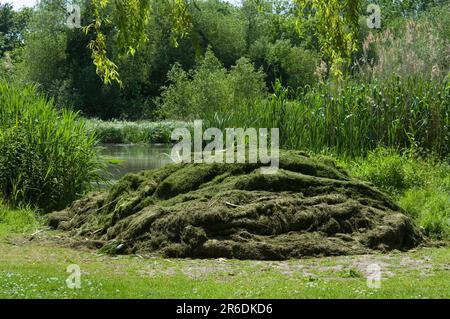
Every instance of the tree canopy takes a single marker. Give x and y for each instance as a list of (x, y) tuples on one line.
[(336, 27)]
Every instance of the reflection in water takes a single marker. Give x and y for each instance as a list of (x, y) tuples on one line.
[(135, 158)]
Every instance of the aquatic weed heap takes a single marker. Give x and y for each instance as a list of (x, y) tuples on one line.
[(309, 208)]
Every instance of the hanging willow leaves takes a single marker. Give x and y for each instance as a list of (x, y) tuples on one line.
[(336, 28), (181, 20), (130, 18), (106, 69)]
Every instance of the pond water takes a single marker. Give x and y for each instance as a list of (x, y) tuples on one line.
[(135, 158)]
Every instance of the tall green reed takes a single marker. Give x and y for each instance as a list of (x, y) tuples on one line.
[(47, 158), (353, 118)]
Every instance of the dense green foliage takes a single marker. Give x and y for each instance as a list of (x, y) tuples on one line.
[(125, 132), (336, 27), (160, 74), (47, 158), (210, 88), (421, 186), (353, 119), (58, 59), (12, 24), (396, 92)]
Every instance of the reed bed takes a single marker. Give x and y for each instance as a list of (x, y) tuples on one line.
[(125, 132), (352, 119), (47, 158)]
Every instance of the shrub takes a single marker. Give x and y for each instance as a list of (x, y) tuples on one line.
[(209, 88), (294, 66), (47, 158)]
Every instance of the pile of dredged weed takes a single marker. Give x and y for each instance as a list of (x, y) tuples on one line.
[(310, 207)]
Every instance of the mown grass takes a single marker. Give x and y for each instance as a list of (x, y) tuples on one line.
[(39, 271)]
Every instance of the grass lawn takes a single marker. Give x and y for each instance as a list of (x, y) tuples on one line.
[(33, 265), (37, 269)]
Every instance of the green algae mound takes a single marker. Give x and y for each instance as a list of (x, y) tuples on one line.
[(310, 207)]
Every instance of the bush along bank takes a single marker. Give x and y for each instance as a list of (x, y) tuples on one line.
[(125, 132), (47, 158)]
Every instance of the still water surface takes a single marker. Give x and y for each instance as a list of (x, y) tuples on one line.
[(135, 158)]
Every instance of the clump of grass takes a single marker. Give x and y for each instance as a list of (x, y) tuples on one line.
[(47, 158), (125, 132), (431, 208), (391, 171), (421, 186), (17, 221), (351, 273)]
